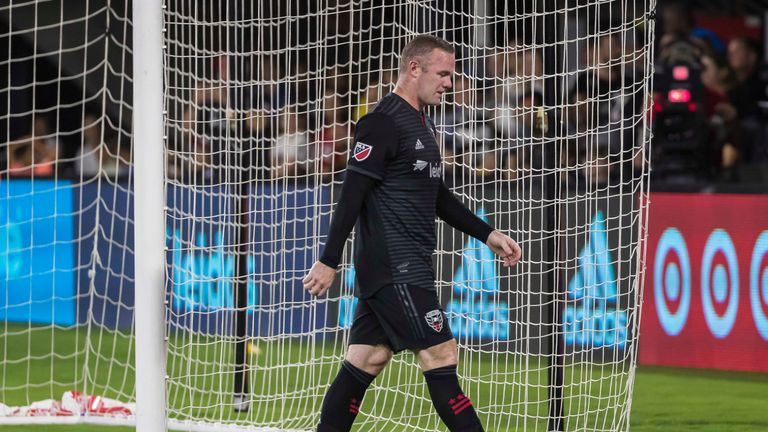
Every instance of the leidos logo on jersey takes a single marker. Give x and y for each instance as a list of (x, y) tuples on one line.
[(435, 170), (361, 151)]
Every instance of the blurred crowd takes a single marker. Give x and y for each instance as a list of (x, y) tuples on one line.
[(300, 128), (710, 107), (289, 123), (103, 151)]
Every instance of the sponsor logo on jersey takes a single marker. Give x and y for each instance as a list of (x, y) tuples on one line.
[(361, 151), (435, 170), (435, 319), (419, 165), (419, 145)]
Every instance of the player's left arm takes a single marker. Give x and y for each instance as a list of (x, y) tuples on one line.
[(457, 215)]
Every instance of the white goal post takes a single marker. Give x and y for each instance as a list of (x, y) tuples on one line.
[(169, 170)]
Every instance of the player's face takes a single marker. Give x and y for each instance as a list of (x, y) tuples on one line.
[(435, 78)]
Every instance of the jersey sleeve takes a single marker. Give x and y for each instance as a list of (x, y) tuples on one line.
[(375, 145), (451, 210), (353, 193)]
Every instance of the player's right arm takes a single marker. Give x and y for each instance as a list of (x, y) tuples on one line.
[(375, 146)]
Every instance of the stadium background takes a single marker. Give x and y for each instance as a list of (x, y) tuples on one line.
[(705, 326)]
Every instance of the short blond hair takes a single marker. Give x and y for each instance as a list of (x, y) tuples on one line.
[(422, 45)]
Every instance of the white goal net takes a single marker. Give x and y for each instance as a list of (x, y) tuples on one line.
[(545, 135)]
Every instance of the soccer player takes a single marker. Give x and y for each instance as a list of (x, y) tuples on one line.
[(393, 189)]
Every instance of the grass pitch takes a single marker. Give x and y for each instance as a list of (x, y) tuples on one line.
[(510, 391)]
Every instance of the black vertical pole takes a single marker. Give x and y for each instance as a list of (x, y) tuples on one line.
[(242, 388), (554, 22), (242, 167)]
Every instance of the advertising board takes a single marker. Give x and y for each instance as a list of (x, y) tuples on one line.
[(706, 290)]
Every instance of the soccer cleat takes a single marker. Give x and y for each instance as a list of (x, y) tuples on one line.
[(240, 403)]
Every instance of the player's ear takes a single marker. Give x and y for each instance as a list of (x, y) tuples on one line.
[(414, 67)]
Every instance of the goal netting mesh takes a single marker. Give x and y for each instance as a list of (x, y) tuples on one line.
[(545, 135)]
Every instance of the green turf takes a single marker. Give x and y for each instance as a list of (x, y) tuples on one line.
[(511, 395), (677, 399)]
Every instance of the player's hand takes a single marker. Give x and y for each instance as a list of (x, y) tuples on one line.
[(505, 248), (319, 279)]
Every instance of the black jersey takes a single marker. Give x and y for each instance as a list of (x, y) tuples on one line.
[(395, 144)]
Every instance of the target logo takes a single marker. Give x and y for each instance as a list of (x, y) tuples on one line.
[(758, 284), (708, 286), (672, 281), (720, 283)]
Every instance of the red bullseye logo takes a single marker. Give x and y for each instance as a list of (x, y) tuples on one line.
[(720, 283), (672, 281)]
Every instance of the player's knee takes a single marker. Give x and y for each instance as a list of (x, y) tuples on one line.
[(380, 358), (437, 356), (371, 359)]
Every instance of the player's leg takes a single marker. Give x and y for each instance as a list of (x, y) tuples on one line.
[(438, 363), (363, 362), (412, 319)]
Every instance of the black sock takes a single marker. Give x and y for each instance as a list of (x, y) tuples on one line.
[(454, 408), (343, 399)]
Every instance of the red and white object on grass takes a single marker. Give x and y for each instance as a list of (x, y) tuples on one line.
[(72, 403)]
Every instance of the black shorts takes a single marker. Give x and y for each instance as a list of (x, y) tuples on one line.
[(402, 316)]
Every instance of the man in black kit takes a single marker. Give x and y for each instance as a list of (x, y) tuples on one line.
[(393, 189)]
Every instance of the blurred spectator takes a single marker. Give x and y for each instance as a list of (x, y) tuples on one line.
[(271, 89), (35, 152), (115, 157), (43, 130), (718, 80), (87, 161), (371, 95), (30, 157), (188, 159), (607, 83), (514, 83), (289, 154), (596, 163), (518, 124), (748, 89), (98, 156), (512, 73), (678, 21), (337, 79), (455, 122), (333, 139), (578, 116), (207, 111), (748, 93)]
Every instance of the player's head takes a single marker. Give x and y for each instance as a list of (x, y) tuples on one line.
[(427, 64)]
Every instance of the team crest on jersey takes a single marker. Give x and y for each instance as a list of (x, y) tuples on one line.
[(435, 319), (361, 151)]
